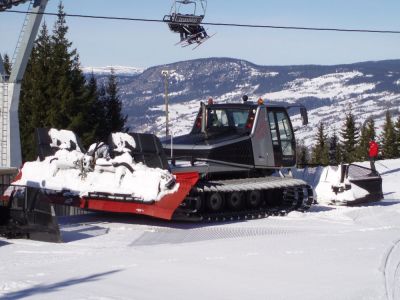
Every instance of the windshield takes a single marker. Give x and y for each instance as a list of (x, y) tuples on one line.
[(227, 117)]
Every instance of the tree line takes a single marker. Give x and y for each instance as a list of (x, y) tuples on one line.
[(56, 94), (352, 142)]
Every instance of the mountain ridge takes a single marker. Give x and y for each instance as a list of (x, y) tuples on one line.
[(369, 87)]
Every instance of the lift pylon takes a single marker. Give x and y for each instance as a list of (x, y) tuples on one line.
[(10, 88)]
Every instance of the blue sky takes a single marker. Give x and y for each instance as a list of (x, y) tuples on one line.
[(103, 42)]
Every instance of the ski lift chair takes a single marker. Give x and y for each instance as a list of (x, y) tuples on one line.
[(187, 25), (6, 4)]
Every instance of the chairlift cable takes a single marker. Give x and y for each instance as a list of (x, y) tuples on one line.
[(216, 23)]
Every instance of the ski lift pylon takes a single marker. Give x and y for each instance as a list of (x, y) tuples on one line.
[(185, 18)]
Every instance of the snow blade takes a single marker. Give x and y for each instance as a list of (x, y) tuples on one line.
[(357, 185), (26, 212), (366, 179), (162, 209)]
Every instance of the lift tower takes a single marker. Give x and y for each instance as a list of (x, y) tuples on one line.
[(10, 86)]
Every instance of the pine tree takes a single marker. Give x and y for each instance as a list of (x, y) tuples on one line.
[(7, 64), (320, 151), (334, 150), (388, 138), (104, 130), (55, 93), (302, 154), (367, 134), (64, 103), (397, 130), (35, 98), (81, 113), (113, 107), (350, 136), (79, 108), (95, 129)]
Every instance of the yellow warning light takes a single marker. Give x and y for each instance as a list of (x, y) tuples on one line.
[(260, 101)]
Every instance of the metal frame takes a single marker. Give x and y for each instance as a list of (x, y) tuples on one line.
[(9, 102), (6, 4), (175, 9)]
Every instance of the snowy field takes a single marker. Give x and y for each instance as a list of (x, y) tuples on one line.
[(326, 253)]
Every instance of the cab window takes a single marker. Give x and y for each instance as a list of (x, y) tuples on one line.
[(217, 118), (272, 125), (285, 133), (281, 132), (240, 118), (227, 118)]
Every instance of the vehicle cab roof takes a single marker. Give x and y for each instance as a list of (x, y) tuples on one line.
[(246, 105)]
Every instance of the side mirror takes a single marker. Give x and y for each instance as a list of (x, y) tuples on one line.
[(304, 115), (203, 117)]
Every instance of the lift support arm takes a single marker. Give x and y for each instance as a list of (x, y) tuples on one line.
[(10, 155), (27, 41)]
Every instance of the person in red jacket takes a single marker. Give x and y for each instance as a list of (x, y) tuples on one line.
[(373, 153)]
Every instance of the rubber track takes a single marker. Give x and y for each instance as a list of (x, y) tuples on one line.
[(293, 190)]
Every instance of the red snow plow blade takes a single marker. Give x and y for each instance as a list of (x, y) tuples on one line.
[(163, 209), (28, 212)]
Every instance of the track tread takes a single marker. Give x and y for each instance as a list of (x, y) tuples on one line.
[(292, 190)]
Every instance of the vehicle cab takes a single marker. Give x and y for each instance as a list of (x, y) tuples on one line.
[(248, 135)]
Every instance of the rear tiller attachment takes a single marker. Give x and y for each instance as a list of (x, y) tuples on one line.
[(26, 212)]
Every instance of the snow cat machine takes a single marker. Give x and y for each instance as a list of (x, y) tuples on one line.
[(226, 168)]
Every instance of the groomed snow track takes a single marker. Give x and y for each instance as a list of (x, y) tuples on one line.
[(250, 198)]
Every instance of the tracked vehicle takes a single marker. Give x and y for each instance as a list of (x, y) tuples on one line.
[(236, 148), (228, 167)]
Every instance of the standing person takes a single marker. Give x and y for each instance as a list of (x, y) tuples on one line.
[(373, 153)]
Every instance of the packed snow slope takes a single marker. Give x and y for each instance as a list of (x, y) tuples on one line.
[(326, 253), (327, 91)]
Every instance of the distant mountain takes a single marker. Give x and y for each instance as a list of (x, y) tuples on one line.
[(119, 70), (369, 88)]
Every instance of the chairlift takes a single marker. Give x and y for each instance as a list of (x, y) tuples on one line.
[(185, 18), (7, 4)]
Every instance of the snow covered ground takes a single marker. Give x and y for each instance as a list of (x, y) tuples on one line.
[(326, 253)]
